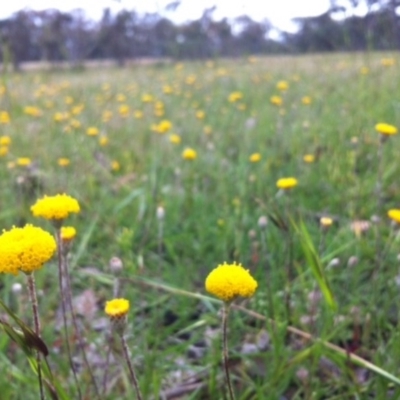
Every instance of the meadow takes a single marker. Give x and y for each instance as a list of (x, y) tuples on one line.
[(175, 167)]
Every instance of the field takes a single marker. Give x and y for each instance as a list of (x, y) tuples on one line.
[(175, 167)]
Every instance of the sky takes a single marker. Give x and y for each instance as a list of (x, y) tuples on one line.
[(278, 12)]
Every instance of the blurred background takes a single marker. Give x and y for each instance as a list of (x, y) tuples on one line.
[(32, 31)]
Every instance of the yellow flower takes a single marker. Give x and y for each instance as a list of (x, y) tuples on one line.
[(394, 214), (388, 62), (123, 110), (4, 117), (25, 249), (189, 154), (255, 157), (200, 114), (117, 308), (282, 86), (235, 96), (229, 281), (309, 158), (55, 207), (3, 151), (163, 127), (24, 161), (32, 111), (147, 98), (167, 89), (115, 166), (92, 131), (68, 233), (76, 110), (103, 141), (286, 183), (326, 222), (174, 138), (276, 100), (61, 116), (306, 100), (63, 162), (5, 140), (385, 129)]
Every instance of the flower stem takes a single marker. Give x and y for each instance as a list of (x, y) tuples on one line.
[(63, 291), (379, 201), (130, 367), (36, 322), (225, 313)]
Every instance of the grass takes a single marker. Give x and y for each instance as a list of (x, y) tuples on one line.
[(212, 206)]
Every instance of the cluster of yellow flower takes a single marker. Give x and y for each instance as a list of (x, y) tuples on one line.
[(28, 248)]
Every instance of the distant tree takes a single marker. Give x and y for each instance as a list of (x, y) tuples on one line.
[(54, 34), (252, 37)]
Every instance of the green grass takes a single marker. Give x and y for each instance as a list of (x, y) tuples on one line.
[(212, 206)]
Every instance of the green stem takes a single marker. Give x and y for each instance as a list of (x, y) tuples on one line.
[(225, 313), (63, 290), (130, 368), (36, 322)]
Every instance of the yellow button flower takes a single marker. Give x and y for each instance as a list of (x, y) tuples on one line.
[(24, 161), (276, 100), (385, 129), (394, 215), (189, 154), (63, 162), (55, 207), (25, 249), (5, 140), (286, 183), (68, 233), (235, 96), (117, 308), (229, 281), (92, 131), (309, 158), (255, 157)]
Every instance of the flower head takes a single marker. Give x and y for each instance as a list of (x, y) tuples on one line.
[(56, 207), (282, 86), (325, 222), (5, 140), (286, 183), (92, 131), (117, 308), (24, 161), (25, 249), (255, 157), (229, 281), (309, 158), (385, 129), (235, 96), (394, 215), (189, 154), (276, 100), (63, 162), (68, 233), (174, 138)]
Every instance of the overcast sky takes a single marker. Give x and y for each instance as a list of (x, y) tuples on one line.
[(279, 12)]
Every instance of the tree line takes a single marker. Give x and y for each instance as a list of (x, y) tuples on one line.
[(53, 36)]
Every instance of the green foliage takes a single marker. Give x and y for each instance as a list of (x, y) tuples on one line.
[(212, 207)]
